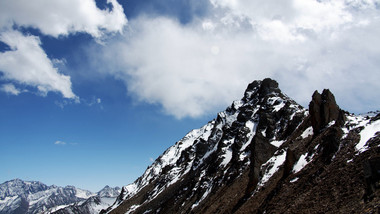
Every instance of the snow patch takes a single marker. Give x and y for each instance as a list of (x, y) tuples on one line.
[(203, 197), (367, 133), (54, 209), (308, 132), (129, 190), (252, 127), (272, 166), (173, 153), (263, 132), (279, 106), (330, 123), (277, 143), (227, 157), (132, 208), (80, 193), (301, 163), (237, 104), (280, 103), (294, 180), (105, 202)]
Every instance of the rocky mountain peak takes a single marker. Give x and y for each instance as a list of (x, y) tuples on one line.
[(323, 110), (110, 192), (261, 88), (264, 154), (18, 187)]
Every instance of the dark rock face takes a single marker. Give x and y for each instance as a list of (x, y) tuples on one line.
[(372, 176), (323, 109)]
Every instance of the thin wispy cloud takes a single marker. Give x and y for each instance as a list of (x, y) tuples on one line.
[(60, 143), (10, 89)]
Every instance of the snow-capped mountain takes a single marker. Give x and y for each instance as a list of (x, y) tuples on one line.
[(266, 154), (95, 204), (109, 192), (17, 196)]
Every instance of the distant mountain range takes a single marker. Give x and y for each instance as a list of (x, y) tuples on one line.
[(264, 154), (21, 197)]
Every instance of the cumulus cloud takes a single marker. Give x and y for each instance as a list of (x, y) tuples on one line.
[(27, 63), (62, 17), (196, 68)]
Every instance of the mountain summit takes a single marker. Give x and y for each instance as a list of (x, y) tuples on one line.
[(266, 154)]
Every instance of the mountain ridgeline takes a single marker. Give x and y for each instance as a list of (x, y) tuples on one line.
[(266, 154), (32, 197)]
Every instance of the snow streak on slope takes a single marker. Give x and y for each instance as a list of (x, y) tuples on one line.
[(271, 166)]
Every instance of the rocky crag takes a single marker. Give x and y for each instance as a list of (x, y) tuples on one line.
[(266, 154)]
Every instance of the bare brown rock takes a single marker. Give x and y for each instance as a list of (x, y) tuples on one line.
[(323, 109)]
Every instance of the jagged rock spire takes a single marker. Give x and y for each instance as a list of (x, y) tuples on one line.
[(323, 109)]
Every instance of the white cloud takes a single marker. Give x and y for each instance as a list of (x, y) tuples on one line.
[(10, 89), (58, 142), (62, 17), (196, 68), (27, 63)]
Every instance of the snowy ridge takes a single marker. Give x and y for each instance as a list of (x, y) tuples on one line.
[(173, 154), (94, 204), (223, 140), (169, 157), (36, 197), (369, 128)]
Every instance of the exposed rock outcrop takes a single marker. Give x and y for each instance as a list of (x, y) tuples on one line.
[(323, 110)]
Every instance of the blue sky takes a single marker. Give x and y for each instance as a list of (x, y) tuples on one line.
[(92, 92)]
